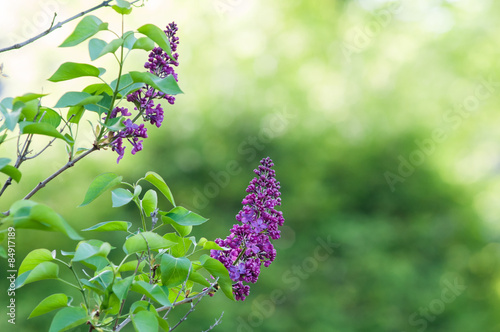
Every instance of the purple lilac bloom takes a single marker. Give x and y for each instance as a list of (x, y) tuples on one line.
[(248, 245), (160, 64)]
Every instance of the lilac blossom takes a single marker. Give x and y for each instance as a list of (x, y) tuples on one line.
[(248, 245), (160, 64)]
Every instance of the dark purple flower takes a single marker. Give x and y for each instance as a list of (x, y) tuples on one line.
[(248, 245), (162, 65)]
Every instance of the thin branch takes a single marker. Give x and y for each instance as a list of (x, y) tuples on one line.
[(217, 322), (54, 27), (185, 316), (186, 300), (62, 169)]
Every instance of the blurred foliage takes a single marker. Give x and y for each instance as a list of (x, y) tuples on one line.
[(345, 121)]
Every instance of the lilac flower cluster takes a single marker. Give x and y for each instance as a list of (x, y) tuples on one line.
[(160, 64), (249, 244)]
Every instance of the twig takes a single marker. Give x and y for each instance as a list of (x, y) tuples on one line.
[(53, 27), (217, 322), (186, 300), (187, 313), (62, 169), (58, 25)]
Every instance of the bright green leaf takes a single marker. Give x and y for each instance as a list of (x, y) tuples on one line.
[(121, 287), (218, 270), (156, 180), (185, 217), (74, 98), (108, 226), (67, 318), (149, 202), (12, 172), (174, 271), (198, 278), (158, 36), (143, 43), (43, 271), (70, 70), (143, 241), (100, 184), (145, 321), (34, 258), (121, 197), (154, 292), (98, 47), (211, 245), (52, 302), (30, 215), (87, 249), (166, 85), (41, 128), (86, 28), (28, 97)]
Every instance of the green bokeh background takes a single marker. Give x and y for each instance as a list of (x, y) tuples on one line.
[(382, 122)]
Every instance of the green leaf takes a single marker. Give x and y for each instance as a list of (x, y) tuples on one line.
[(28, 97), (143, 241), (158, 36), (4, 162), (100, 184), (115, 124), (34, 258), (185, 217), (121, 287), (73, 98), (52, 302), (218, 270), (166, 85), (31, 215), (181, 246), (157, 181), (98, 89), (70, 70), (95, 263), (67, 318), (143, 43), (211, 245), (90, 248), (149, 202), (50, 116), (145, 321), (101, 105), (120, 196), (182, 230), (30, 110), (130, 266), (86, 28), (198, 278), (108, 226), (122, 7), (154, 292), (41, 128), (3, 252), (75, 114), (98, 47), (12, 172), (43, 271), (174, 271)]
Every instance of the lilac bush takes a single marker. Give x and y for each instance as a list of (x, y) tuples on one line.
[(249, 244)]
